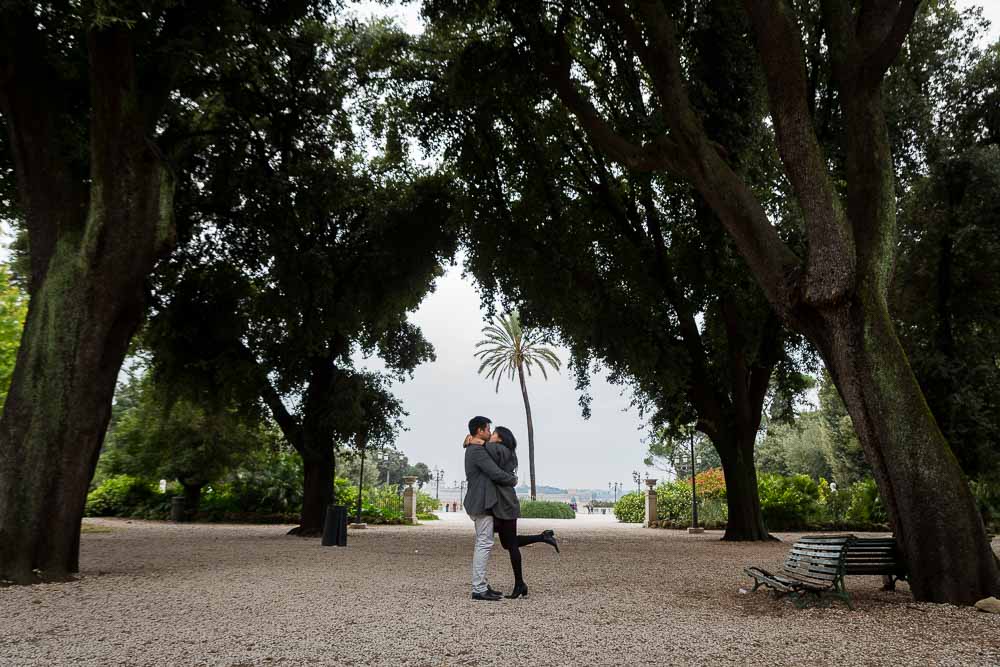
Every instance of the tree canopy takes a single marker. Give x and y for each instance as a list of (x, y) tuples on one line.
[(300, 251)]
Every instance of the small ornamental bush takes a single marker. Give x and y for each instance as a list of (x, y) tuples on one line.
[(426, 503), (630, 508), (429, 516), (673, 502), (546, 509), (121, 495)]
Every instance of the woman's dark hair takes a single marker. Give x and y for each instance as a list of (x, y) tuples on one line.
[(506, 437)]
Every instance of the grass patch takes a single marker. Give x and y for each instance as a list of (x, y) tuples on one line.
[(91, 528)]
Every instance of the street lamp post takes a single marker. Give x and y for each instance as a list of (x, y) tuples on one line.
[(361, 479), (385, 460), (616, 487), (694, 493), (438, 476)]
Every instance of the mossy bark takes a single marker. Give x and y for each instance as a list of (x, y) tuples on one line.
[(931, 507), (87, 299), (745, 522)]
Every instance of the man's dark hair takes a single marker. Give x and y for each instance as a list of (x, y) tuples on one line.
[(477, 423)]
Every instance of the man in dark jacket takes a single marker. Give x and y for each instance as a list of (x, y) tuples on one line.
[(483, 476)]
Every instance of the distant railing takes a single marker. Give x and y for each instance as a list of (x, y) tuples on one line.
[(385, 502)]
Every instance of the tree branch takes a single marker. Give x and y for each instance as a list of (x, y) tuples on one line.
[(877, 62), (32, 99), (651, 157), (698, 160), (830, 267)]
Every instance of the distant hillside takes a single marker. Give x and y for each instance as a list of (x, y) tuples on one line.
[(524, 489)]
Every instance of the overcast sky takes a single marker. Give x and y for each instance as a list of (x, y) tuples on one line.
[(569, 451)]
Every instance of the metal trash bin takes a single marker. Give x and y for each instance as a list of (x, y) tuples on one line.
[(177, 509), (335, 526)]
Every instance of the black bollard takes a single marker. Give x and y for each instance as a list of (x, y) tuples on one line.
[(335, 526), (331, 529), (177, 509), (341, 513)]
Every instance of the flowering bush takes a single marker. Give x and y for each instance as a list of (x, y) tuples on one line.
[(711, 483)]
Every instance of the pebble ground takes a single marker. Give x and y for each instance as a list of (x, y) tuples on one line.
[(234, 596)]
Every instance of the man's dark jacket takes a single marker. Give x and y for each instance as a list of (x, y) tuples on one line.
[(483, 476)]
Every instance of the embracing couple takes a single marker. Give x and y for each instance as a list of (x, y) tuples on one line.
[(490, 462)]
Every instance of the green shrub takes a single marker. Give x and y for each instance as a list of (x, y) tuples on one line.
[(673, 503), (546, 509), (713, 513), (426, 503), (122, 495), (987, 494), (269, 483), (866, 509), (834, 504), (673, 506), (788, 502), (630, 508), (428, 516)]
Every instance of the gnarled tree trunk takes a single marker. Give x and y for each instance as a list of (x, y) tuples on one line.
[(931, 507), (92, 248)]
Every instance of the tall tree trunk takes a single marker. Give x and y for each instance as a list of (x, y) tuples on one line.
[(317, 490), (931, 507), (87, 299), (531, 428), (837, 295), (745, 522), (192, 499)]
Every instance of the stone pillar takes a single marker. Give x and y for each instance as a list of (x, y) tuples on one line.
[(409, 501), (650, 502)]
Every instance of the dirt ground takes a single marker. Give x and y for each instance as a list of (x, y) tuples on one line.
[(162, 594)]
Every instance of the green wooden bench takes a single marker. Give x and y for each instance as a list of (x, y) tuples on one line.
[(813, 571), (876, 556)]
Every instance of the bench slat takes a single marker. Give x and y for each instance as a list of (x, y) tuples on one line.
[(803, 553)]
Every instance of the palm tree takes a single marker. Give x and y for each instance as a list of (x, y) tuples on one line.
[(507, 349)]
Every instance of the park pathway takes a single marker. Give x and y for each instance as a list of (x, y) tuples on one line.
[(223, 595)]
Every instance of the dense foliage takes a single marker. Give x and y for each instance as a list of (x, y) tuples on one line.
[(250, 498), (13, 309), (788, 502)]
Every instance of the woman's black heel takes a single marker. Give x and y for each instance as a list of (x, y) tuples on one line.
[(549, 537), (520, 588)]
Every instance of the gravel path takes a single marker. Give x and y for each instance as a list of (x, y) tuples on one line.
[(162, 594)]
